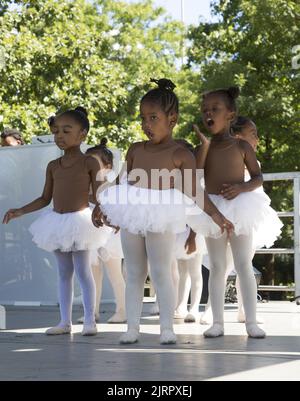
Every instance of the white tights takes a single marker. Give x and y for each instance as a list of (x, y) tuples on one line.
[(68, 262), (175, 277), (158, 249), (206, 318), (115, 276), (242, 252), (190, 280)]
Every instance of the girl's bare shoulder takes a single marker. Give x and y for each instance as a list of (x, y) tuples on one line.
[(53, 164), (91, 162), (182, 155), (244, 146), (135, 147)]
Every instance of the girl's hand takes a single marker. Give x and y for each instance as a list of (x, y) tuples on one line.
[(190, 244), (11, 214), (203, 140), (99, 219), (107, 223), (231, 191), (223, 223), (97, 216)]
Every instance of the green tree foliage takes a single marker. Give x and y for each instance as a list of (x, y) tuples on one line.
[(100, 54), (251, 46)]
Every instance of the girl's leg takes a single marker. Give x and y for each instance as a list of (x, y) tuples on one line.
[(114, 272), (97, 270), (242, 251), (207, 317), (134, 249), (82, 265), (65, 292), (183, 289), (241, 314), (160, 250), (175, 278), (195, 271), (230, 268), (217, 255), (154, 310)]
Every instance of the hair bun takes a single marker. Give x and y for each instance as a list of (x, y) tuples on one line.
[(51, 120), (164, 84), (81, 110), (234, 92), (103, 142)]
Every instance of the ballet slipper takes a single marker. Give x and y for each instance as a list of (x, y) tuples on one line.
[(59, 330), (190, 318), (89, 330), (216, 330), (131, 337), (254, 331), (118, 317), (167, 337)]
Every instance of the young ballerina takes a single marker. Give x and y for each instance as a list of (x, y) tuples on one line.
[(224, 166), (150, 211), (67, 230), (109, 256), (244, 128)]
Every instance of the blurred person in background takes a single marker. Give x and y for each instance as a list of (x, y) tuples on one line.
[(11, 137)]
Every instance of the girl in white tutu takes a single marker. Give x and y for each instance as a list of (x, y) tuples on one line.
[(244, 128), (67, 230), (150, 211), (109, 256), (224, 166)]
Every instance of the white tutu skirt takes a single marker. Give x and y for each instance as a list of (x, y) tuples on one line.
[(141, 210), (67, 232), (180, 245), (250, 212), (112, 249)]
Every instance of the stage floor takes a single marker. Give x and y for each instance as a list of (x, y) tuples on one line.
[(27, 354)]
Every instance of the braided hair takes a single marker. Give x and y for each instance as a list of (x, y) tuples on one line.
[(80, 115), (229, 95), (163, 96), (102, 150)]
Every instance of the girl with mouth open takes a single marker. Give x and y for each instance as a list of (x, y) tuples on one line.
[(224, 161)]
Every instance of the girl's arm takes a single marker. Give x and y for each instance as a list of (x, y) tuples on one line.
[(231, 191), (93, 167), (202, 150), (190, 244), (253, 168), (39, 203), (186, 162)]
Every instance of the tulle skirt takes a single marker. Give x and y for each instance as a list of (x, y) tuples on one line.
[(112, 249), (141, 210), (250, 212), (180, 245), (67, 232)]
